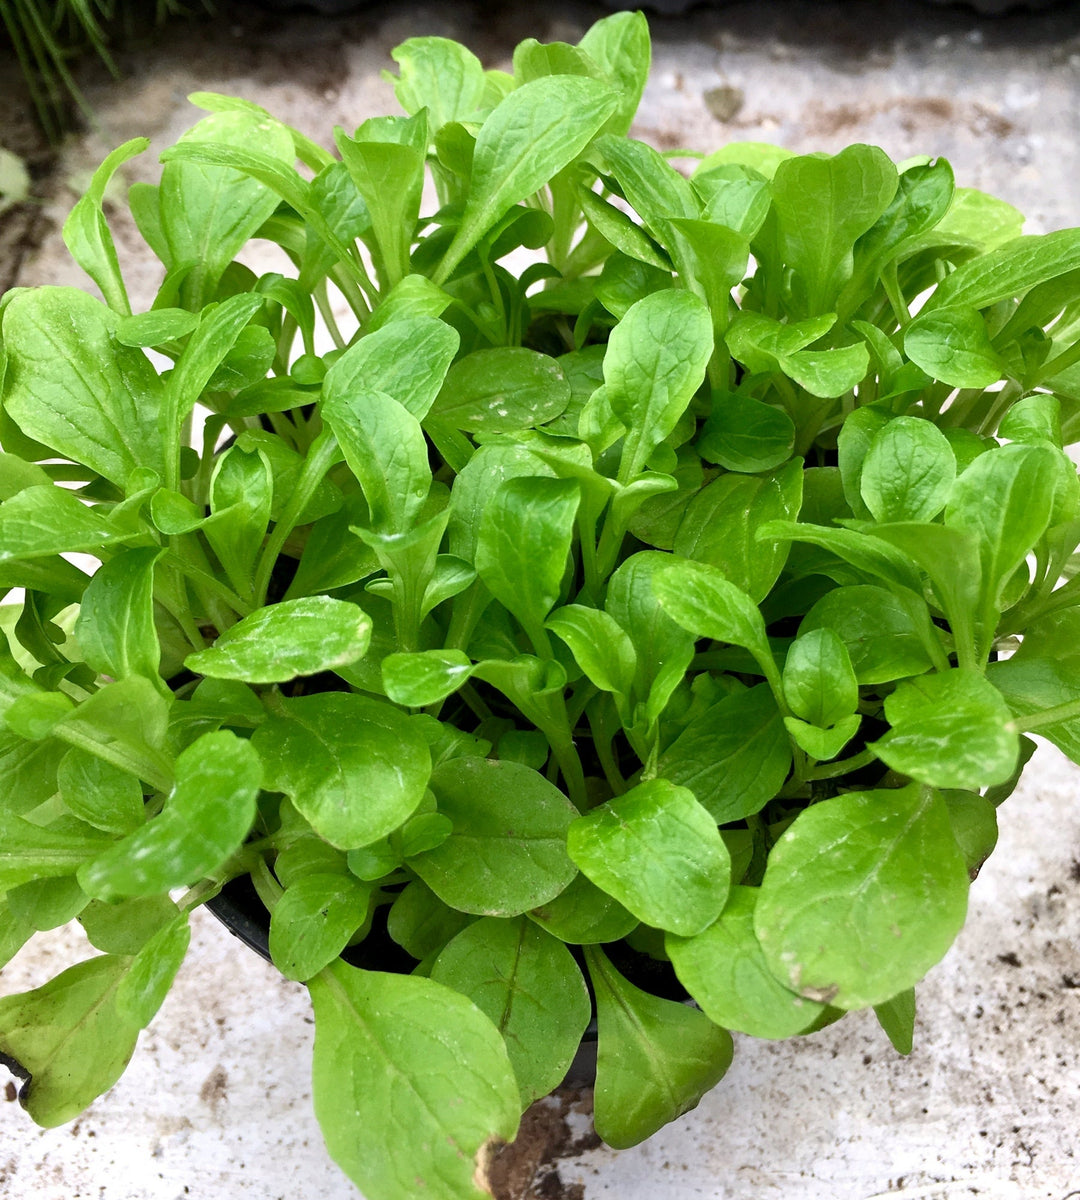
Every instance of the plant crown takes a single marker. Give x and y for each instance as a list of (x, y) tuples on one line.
[(667, 610)]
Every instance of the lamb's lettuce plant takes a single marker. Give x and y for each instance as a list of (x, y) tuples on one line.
[(660, 617)]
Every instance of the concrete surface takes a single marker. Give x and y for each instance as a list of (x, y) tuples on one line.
[(216, 1102)]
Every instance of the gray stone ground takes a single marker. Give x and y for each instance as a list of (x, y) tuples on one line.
[(216, 1102)]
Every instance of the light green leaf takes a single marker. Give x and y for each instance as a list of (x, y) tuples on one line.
[(502, 389), (824, 203), (734, 757), (721, 523), (725, 971), (507, 853), (206, 817), (405, 358), (280, 642), (143, 989), (41, 521), (29, 851), (655, 362), (744, 434), (819, 743), (881, 865), (440, 75), (386, 449), (655, 1058), (583, 915), (207, 212), (819, 683), (68, 1039), (524, 546), (72, 386), (86, 231), (599, 644), (115, 628), (313, 921), (100, 793), (951, 729), (908, 471), (424, 677), (405, 1049), (659, 853), (355, 767), (953, 345), (528, 984), (531, 135)]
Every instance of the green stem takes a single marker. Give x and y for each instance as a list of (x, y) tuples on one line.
[(152, 767), (832, 770), (1049, 716), (321, 457)]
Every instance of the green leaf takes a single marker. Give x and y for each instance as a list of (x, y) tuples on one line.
[(42, 521), (386, 162), (819, 743), (953, 345), (659, 853), (583, 915), (86, 231), (704, 602), (601, 647), (143, 989), (280, 642), (72, 386), (313, 921), (655, 1058), (126, 926), (385, 447), (819, 683), (355, 767), (410, 1082), (1005, 499), (868, 555), (100, 793), (156, 327), (744, 434), (531, 135), (619, 45), (507, 853), (734, 757), (241, 495), (897, 1017), (664, 649), (951, 729), (406, 358), (908, 471), (655, 362), (974, 825), (529, 986), (823, 205), (523, 546), (721, 523), (881, 865), (68, 1039), (419, 921), (725, 971), (115, 629), (205, 819), (765, 344), (1007, 271), (207, 212), (440, 75), (502, 389), (425, 677), (29, 852), (1032, 684)]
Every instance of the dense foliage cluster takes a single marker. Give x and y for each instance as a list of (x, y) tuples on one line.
[(646, 587)]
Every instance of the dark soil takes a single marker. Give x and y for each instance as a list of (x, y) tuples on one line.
[(528, 1167)]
